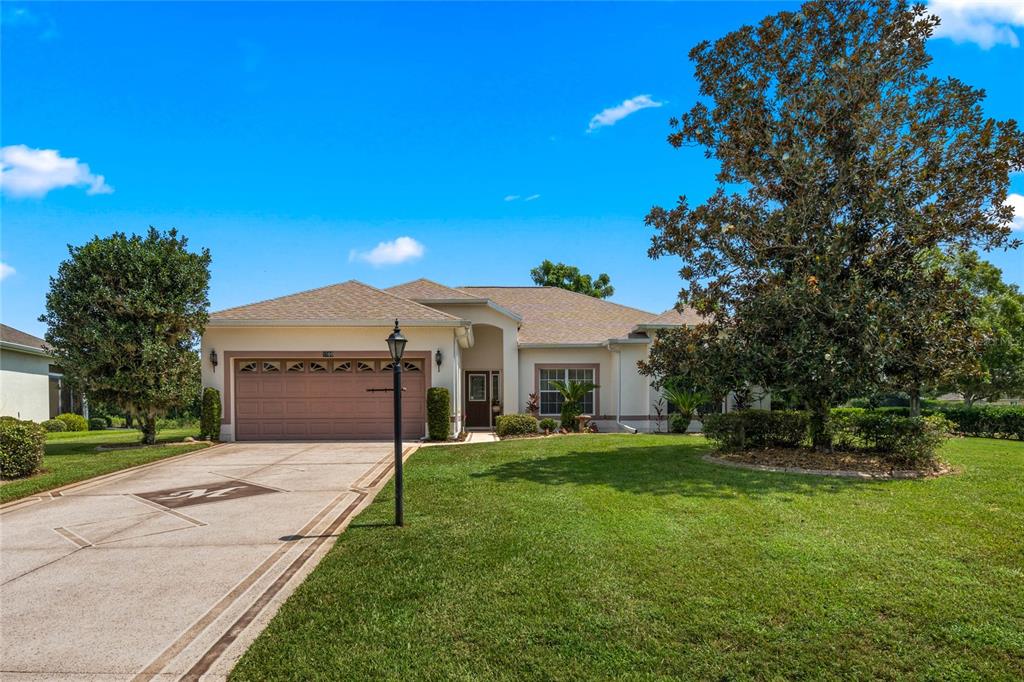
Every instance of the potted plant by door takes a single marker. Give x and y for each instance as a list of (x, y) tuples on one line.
[(496, 408)]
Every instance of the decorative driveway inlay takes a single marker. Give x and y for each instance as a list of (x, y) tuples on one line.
[(120, 554), (186, 496)]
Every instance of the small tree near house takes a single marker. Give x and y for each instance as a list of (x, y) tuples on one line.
[(124, 316), (841, 162)]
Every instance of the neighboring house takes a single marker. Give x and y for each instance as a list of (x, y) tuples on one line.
[(302, 366), (30, 386)]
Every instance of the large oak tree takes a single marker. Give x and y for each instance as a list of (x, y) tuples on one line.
[(124, 316), (841, 160)]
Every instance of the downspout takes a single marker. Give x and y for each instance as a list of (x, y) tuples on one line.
[(618, 391)]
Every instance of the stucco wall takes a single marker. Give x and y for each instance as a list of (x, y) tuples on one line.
[(486, 350), (529, 358), (24, 385), (509, 365), (315, 340)]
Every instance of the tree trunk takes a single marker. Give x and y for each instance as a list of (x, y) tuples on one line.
[(968, 400), (148, 426), (820, 438), (915, 402), (128, 420)]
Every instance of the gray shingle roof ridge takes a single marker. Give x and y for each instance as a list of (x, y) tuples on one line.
[(435, 283)]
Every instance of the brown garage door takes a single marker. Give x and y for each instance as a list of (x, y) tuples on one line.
[(295, 399)]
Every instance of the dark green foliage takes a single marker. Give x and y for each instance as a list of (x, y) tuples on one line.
[(902, 439), (209, 419), (989, 421), (569, 413), (97, 424), (124, 316), (548, 424), (55, 425), (73, 422), (745, 429), (677, 423), (515, 425), (439, 413), (842, 165), (21, 447), (563, 276)]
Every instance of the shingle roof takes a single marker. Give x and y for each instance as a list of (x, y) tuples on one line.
[(346, 302), (12, 335), (558, 316), (674, 318), (427, 290)]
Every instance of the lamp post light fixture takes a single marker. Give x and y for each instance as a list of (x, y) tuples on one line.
[(213, 357), (438, 357), (396, 345)]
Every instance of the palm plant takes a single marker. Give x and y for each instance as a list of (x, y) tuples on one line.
[(573, 393), (686, 401)]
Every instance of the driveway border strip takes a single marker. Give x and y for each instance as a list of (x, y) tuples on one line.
[(203, 665)]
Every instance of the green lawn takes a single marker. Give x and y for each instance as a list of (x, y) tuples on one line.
[(627, 556), (72, 456)]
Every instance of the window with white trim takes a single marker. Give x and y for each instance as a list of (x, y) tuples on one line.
[(551, 399)]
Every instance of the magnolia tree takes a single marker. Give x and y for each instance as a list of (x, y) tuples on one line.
[(841, 161), (124, 316)]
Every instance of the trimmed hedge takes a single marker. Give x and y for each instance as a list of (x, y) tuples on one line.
[(22, 444), (97, 424), (899, 438), (439, 413), (209, 415), (548, 424), (757, 429), (987, 421), (515, 425), (54, 425), (74, 422)]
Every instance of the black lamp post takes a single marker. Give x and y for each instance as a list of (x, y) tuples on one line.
[(396, 344)]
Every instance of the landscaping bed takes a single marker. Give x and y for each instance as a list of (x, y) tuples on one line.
[(801, 460)]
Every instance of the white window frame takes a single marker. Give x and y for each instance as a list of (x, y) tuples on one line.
[(541, 391)]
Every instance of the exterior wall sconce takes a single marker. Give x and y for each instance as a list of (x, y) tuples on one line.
[(438, 357), (213, 357)]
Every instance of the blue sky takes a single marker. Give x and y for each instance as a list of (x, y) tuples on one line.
[(293, 139)]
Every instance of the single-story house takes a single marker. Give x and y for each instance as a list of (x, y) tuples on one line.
[(303, 366), (31, 386)]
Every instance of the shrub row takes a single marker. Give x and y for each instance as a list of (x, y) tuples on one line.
[(97, 424), (21, 447), (886, 432), (900, 438), (548, 424), (757, 429), (54, 425), (209, 415), (515, 425), (983, 421)]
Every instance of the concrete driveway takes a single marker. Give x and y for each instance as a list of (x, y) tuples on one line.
[(170, 570)]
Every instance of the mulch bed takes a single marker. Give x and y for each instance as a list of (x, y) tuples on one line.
[(847, 464)]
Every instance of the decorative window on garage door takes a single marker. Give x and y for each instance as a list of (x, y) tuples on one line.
[(296, 366), (407, 366), (364, 365), (317, 367), (271, 366), (342, 365), (249, 367)]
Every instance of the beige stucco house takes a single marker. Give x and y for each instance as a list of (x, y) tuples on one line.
[(31, 387), (302, 366)]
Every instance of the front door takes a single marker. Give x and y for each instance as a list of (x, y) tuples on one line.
[(478, 400)]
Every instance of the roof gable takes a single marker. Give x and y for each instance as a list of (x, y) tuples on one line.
[(9, 334), (554, 316), (348, 302), (675, 318), (428, 290)]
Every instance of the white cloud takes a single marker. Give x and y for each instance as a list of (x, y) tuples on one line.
[(613, 115), (35, 172), (1017, 201), (985, 22), (394, 252), (6, 270), (532, 197), (511, 197)]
